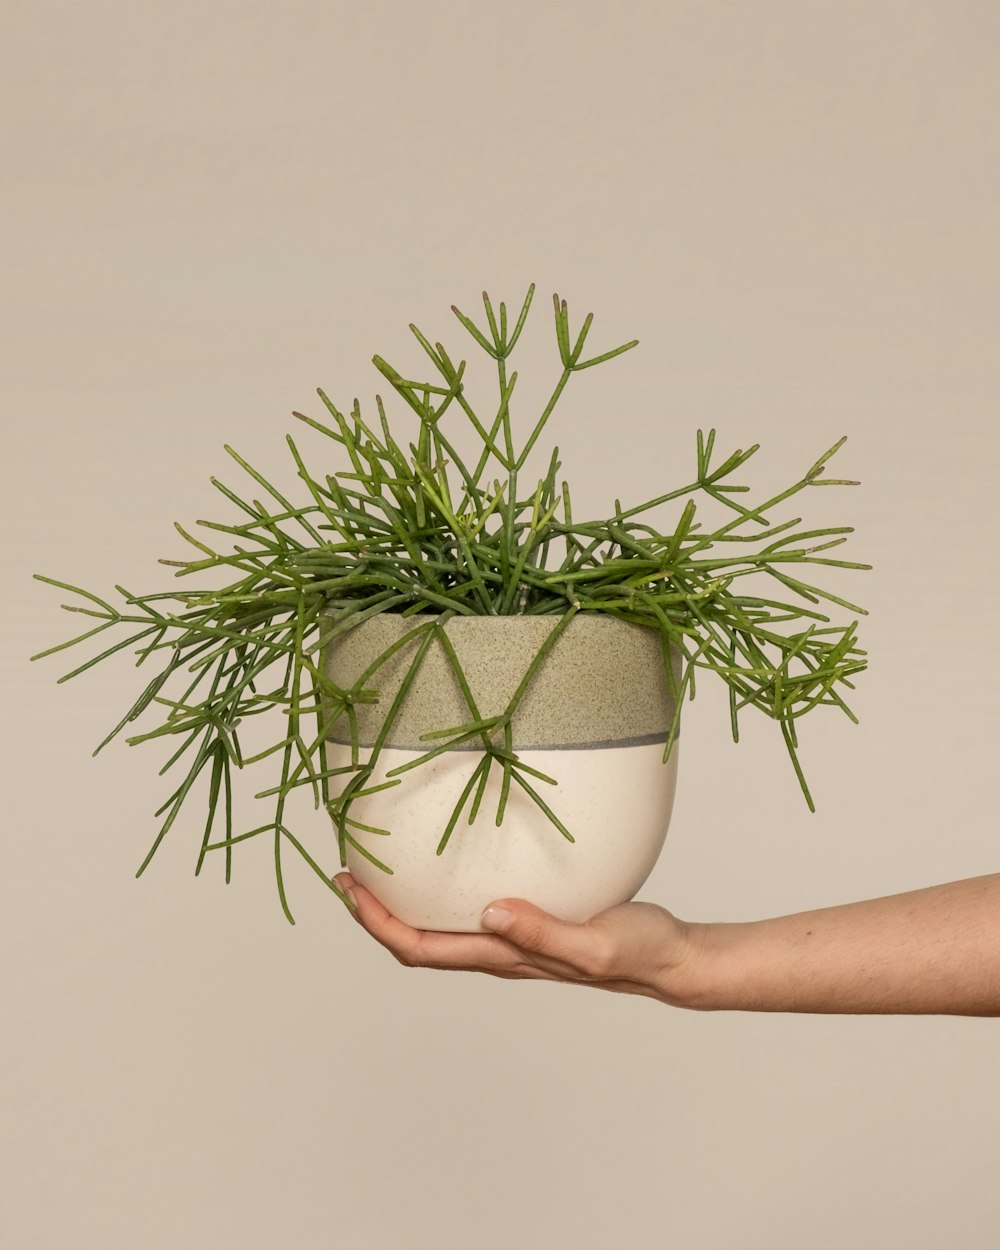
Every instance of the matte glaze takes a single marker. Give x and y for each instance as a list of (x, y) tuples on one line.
[(595, 718), (616, 802)]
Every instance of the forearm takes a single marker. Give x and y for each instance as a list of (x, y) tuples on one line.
[(935, 950)]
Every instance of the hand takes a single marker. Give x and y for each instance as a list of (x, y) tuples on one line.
[(635, 948), (929, 951)]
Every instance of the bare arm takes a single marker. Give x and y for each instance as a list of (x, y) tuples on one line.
[(930, 951), (935, 950)]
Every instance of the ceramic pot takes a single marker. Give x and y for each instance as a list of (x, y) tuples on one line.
[(595, 717)]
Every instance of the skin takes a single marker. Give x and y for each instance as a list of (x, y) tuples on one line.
[(929, 951)]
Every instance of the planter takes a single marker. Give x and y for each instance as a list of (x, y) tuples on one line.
[(395, 532), (595, 717)]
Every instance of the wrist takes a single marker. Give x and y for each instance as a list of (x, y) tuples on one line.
[(696, 980)]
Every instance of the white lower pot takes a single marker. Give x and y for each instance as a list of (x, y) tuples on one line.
[(595, 717)]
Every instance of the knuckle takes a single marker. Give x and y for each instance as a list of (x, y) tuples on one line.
[(417, 953), (599, 961), (533, 936)]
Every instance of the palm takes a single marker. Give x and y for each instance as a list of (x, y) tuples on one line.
[(628, 948)]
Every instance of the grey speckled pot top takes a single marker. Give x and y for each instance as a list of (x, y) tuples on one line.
[(602, 684)]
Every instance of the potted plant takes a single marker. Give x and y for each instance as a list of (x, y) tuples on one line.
[(481, 690)]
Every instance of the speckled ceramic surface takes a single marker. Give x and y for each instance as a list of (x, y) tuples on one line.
[(616, 801), (595, 718), (603, 681)]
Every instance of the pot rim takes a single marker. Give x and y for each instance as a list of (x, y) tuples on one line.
[(461, 619)]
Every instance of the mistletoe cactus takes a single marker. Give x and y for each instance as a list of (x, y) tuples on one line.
[(410, 527)]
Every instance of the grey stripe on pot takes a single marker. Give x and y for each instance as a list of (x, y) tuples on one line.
[(602, 685)]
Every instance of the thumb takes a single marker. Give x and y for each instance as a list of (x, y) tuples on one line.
[(527, 926)]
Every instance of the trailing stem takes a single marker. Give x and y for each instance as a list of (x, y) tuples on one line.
[(407, 526)]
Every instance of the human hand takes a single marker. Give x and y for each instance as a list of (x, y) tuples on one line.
[(929, 951), (634, 948)]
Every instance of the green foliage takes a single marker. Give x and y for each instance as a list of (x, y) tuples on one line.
[(421, 533)]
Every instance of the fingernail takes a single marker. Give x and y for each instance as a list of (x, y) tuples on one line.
[(498, 919)]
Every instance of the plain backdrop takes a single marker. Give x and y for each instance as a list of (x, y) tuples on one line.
[(211, 209)]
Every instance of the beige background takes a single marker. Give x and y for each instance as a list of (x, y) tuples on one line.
[(211, 209)]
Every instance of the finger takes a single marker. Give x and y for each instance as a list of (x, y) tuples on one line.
[(378, 920), (345, 882), (421, 948), (584, 949)]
